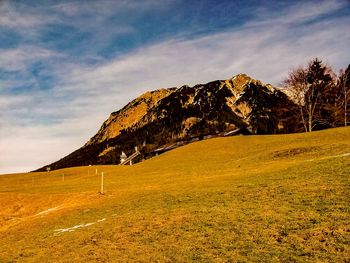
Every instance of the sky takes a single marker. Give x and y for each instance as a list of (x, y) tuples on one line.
[(66, 65)]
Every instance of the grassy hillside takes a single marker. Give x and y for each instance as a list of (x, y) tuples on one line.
[(247, 198)]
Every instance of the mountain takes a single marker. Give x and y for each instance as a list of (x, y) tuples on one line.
[(165, 116)]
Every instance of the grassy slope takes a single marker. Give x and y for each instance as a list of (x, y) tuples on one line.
[(254, 198)]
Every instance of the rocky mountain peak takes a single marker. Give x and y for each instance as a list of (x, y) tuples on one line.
[(167, 116)]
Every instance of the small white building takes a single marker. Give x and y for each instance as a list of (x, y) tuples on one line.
[(123, 157)]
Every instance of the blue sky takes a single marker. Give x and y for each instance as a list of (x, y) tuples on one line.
[(66, 65)]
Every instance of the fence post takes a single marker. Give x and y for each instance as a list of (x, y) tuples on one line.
[(102, 183)]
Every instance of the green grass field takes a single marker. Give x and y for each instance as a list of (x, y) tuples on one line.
[(278, 198)]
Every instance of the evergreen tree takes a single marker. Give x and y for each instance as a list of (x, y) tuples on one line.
[(319, 98)]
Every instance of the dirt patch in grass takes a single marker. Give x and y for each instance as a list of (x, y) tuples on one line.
[(17, 209), (295, 151)]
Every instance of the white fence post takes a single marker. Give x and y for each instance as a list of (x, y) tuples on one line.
[(102, 183)]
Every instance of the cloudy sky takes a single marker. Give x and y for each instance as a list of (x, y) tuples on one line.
[(66, 65)]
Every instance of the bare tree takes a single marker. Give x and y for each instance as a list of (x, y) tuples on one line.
[(344, 87), (297, 86), (306, 86)]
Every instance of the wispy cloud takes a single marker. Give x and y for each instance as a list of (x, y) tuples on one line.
[(43, 125), (13, 18), (14, 59), (301, 12)]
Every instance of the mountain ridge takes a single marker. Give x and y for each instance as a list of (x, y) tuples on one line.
[(165, 116)]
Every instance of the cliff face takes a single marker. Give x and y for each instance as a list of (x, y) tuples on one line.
[(127, 116), (164, 116)]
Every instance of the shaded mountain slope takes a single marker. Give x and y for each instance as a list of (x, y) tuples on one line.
[(168, 115)]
